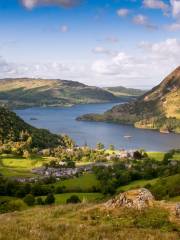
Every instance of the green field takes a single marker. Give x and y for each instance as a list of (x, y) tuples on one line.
[(12, 166), (160, 155), (136, 184), (84, 183), (176, 156), (156, 155), (84, 197)]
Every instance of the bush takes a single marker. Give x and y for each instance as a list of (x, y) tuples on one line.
[(12, 205), (50, 199), (39, 201), (29, 199), (73, 199)]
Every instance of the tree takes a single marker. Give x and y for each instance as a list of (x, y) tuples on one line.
[(100, 146), (39, 201), (50, 199), (111, 147), (73, 199), (29, 199)]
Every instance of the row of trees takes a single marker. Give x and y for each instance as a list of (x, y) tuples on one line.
[(124, 172)]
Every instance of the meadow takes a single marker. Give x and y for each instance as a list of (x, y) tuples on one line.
[(87, 221)]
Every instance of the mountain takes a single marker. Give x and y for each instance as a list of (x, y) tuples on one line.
[(157, 109), (12, 127), (123, 91), (27, 92)]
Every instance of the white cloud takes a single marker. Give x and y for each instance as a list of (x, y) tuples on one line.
[(149, 66), (173, 27), (143, 21), (64, 28), (156, 4), (30, 4), (175, 8), (112, 39), (123, 12), (146, 66), (102, 50), (140, 19)]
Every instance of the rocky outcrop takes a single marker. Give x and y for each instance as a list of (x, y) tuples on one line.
[(178, 210), (138, 199)]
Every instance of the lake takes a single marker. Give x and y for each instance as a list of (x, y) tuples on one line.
[(63, 120)]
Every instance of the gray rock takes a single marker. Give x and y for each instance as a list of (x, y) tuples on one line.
[(139, 198), (178, 210)]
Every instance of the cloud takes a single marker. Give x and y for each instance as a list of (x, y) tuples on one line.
[(173, 27), (102, 50), (30, 4), (51, 69), (175, 8), (143, 21), (64, 28), (112, 39), (156, 4), (123, 12), (153, 62)]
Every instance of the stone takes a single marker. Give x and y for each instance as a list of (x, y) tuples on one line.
[(138, 199), (178, 210)]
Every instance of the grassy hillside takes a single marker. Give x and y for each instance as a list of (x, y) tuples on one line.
[(85, 221), (157, 109), (13, 128), (123, 91), (26, 92)]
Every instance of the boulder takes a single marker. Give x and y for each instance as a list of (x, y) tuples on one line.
[(178, 210), (138, 199)]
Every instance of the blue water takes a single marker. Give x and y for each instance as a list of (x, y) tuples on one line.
[(63, 120)]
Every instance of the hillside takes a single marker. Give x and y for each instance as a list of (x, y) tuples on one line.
[(90, 221), (157, 109), (12, 127), (26, 92), (123, 91)]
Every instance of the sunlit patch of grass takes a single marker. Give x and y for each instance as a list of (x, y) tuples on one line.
[(84, 183)]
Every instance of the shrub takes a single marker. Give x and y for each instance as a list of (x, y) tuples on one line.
[(50, 199), (39, 201), (29, 199), (73, 199)]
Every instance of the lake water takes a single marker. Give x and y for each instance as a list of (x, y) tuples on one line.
[(63, 120)]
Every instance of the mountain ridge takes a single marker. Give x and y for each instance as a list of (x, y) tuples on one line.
[(29, 92), (157, 109)]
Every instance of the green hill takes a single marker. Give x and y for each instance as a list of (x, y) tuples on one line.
[(123, 91), (12, 128), (157, 109), (26, 92)]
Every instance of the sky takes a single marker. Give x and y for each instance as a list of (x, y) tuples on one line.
[(134, 43)]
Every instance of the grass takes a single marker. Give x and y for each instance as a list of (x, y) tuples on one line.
[(84, 197), (136, 184), (84, 183), (176, 156), (160, 155), (175, 199), (156, 155), (86, 221), (11, 166)]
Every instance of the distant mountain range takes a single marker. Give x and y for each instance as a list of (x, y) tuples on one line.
[(159, 108), (28, 92)]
